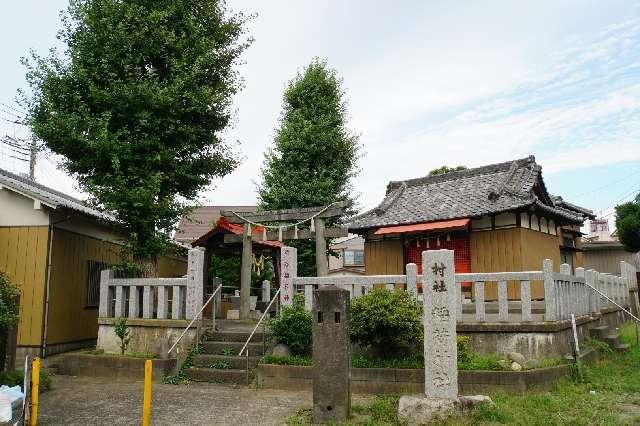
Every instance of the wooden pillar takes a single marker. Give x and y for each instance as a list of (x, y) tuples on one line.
[(322, 266), (245, 272)]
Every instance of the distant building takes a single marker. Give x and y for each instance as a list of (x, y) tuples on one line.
[(350, 256), (602, 250), (202, 220)]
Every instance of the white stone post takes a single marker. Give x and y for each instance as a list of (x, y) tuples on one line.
[(478, 288), (525, 300), (134, 309), (120, 302), (288, 271), (412, 279), (550, 292), (440, 348), (308, 297), (195, 281), (503, 302), (582, 301), (176, 302), (163, 302), (147, 302), (106, 276), (266, 291)]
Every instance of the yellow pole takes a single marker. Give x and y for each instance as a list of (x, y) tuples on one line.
[(35, 383), (146, 402)]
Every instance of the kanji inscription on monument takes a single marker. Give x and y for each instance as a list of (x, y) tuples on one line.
[(288, 269), (440, 349)]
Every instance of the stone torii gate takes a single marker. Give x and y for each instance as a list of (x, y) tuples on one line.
[(277, 225)]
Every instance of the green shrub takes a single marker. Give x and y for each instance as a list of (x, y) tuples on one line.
[(16, 377), (388, 321), (9, 308), (121, 329), (287, 360), (293, 327)]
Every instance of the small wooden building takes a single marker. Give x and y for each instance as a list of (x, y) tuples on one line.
[(53, 247), (496, 218)]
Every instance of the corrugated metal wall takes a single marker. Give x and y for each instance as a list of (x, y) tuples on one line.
[(607, 260)]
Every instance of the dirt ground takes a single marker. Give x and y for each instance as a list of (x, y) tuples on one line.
[(100, 401)]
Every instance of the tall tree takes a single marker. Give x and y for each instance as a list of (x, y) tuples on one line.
[(314, 155), (136, 105), (628, 224), (446, 169)]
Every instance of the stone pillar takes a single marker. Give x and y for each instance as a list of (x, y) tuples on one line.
[(245, 273), (196, 276), (331, 355), (440, 346), (288, 271), (266, 291), (412, 279), (106, 276), (322, 265)]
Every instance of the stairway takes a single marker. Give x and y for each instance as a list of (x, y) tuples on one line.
[(219, 361), (608, 336)]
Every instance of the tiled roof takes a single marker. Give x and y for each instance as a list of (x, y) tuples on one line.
[(222, 225), (47, 196), (201, 220), (462, 194)]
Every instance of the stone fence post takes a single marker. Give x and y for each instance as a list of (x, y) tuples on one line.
[(105, 300), (196, 276), (550, 292)]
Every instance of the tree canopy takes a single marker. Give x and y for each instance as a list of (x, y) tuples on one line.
[(628, 224), (136, 106), (314, 155), (446, 169)]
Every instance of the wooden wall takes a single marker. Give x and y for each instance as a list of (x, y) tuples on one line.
[(607, 259), (497, 251), (23, 256), (536, 247), (384, 257), (69, 319)]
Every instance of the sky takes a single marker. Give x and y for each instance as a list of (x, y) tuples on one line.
[(428, 83)]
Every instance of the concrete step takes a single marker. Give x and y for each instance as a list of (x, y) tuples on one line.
[(216, 375), (621, 347), (612, 340), (221, 348), (234, 362), (599, 332), (235, 336)]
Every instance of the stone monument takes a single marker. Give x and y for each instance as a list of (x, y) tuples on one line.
[(440, 397), (331, 355)]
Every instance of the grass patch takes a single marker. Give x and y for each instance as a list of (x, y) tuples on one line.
[(608, 394)]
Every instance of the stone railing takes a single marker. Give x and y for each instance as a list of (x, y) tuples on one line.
[(154, 298), (564, 293)]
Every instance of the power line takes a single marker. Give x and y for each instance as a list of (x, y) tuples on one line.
[(12, 108), (591, 191), (633, 192)]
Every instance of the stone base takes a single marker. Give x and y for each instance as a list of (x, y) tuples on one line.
[(234, 314), (419, 409)]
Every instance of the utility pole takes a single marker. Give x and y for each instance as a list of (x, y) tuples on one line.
[(32, 159)]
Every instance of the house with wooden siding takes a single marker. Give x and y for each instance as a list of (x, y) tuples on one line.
[(53, 247), (496, 218)]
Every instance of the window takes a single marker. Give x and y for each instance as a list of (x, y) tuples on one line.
[(353, 257), (568, 240), (93, 283)]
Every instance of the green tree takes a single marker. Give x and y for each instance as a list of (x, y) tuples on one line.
[(314, 155), (136, 106), (446, 169), (628, 224)]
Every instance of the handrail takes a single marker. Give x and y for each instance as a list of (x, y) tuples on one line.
[(613, 301), (196, 317), (266, 311)]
